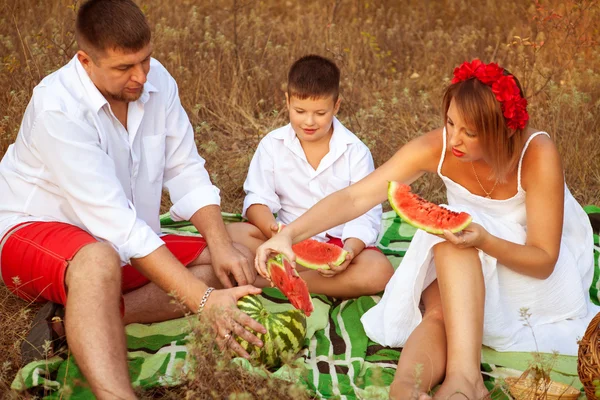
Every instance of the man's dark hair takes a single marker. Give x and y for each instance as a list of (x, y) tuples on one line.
[(111, 24), (313, 77)]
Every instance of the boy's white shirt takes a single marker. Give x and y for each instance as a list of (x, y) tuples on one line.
[(281, 178), (116, 191)]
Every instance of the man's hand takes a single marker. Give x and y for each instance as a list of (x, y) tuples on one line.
[(228, 321), (229, 261)]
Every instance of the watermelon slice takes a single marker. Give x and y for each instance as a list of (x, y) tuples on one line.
[(313, 254), (422, 214), (286, 278)]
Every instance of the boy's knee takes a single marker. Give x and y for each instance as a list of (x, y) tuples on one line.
[(245, 252), (241, 230), (380, 272), (383, 273)]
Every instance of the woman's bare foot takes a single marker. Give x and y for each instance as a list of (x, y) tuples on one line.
[(407, 391), (461, 387)]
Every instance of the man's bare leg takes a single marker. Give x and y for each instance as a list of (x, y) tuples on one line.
[(426, 346), (93, 321), (151, 304)]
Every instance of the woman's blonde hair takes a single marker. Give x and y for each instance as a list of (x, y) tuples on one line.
[(482, 113)]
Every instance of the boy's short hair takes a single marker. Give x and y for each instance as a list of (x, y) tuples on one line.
[(313, 77), (111, 24)]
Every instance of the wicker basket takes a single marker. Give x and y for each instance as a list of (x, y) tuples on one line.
[(588, 361), (526, 388)]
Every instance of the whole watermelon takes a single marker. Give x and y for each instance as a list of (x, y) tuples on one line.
[(285, 332)]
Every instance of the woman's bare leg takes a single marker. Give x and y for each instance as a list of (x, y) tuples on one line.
[(462, 291), (423, 360)]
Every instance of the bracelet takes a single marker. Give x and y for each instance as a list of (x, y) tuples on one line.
[(204, 299)]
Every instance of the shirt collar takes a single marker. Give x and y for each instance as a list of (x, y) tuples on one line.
[(93, 95)]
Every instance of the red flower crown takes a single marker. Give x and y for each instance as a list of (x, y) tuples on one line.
[(514, 107)]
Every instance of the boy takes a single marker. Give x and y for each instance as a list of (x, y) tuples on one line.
[(299, 164)]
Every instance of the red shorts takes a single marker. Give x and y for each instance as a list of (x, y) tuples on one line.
[(34, 259), (338, 242)]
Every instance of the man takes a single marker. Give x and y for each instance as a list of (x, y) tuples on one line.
[(81, 190)]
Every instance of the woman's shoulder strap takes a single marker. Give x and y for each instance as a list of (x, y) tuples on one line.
[(529, 139)]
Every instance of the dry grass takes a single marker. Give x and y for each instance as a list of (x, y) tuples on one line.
[(230, 59)]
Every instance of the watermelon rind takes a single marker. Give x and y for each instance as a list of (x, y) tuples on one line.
[(394, 187), (309, 264), (284, 337), (312, 265)]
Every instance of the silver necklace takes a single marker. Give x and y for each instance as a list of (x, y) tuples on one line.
[(488, 195)]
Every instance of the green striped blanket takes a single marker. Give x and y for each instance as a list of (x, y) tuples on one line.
[(338, 360)]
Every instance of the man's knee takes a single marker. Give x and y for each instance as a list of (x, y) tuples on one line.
[(96, 262)]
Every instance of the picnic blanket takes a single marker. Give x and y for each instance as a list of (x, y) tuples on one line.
[(338, 360)]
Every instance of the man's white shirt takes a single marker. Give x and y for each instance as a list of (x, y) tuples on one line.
[(281, 178), (74, 162)]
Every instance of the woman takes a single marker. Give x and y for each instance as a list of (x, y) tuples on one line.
[(530, 245)]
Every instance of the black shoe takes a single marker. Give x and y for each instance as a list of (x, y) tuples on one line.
[(34, 346)]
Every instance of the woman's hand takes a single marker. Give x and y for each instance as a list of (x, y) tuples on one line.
[(473, 235), (279, 243), (228, 321)]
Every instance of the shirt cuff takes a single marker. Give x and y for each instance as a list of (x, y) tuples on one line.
[(251, 199), (364, 232), (142, 241), (193, 201)]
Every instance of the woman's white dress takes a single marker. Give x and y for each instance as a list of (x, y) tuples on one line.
[(560, 306)]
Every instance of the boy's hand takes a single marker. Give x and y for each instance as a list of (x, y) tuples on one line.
[(275, 228), (334, 270), (354, 247)]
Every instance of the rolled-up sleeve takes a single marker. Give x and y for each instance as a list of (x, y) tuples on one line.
[(260, 182), (186, 177), (367, 226), (85, 175)]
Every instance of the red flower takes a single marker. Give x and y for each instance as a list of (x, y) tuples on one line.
[(466, 71), (515, 112), (489, 73), (505, 88)]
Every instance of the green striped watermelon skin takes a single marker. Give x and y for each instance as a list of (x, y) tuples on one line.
[(285, 332)]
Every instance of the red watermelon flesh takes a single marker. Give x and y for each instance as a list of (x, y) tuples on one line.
[(313, 254), (423, 214), (286, 278)]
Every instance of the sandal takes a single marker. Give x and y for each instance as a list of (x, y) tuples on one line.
[(43, 341)]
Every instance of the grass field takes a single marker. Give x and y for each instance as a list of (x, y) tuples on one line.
[(230, 60)]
